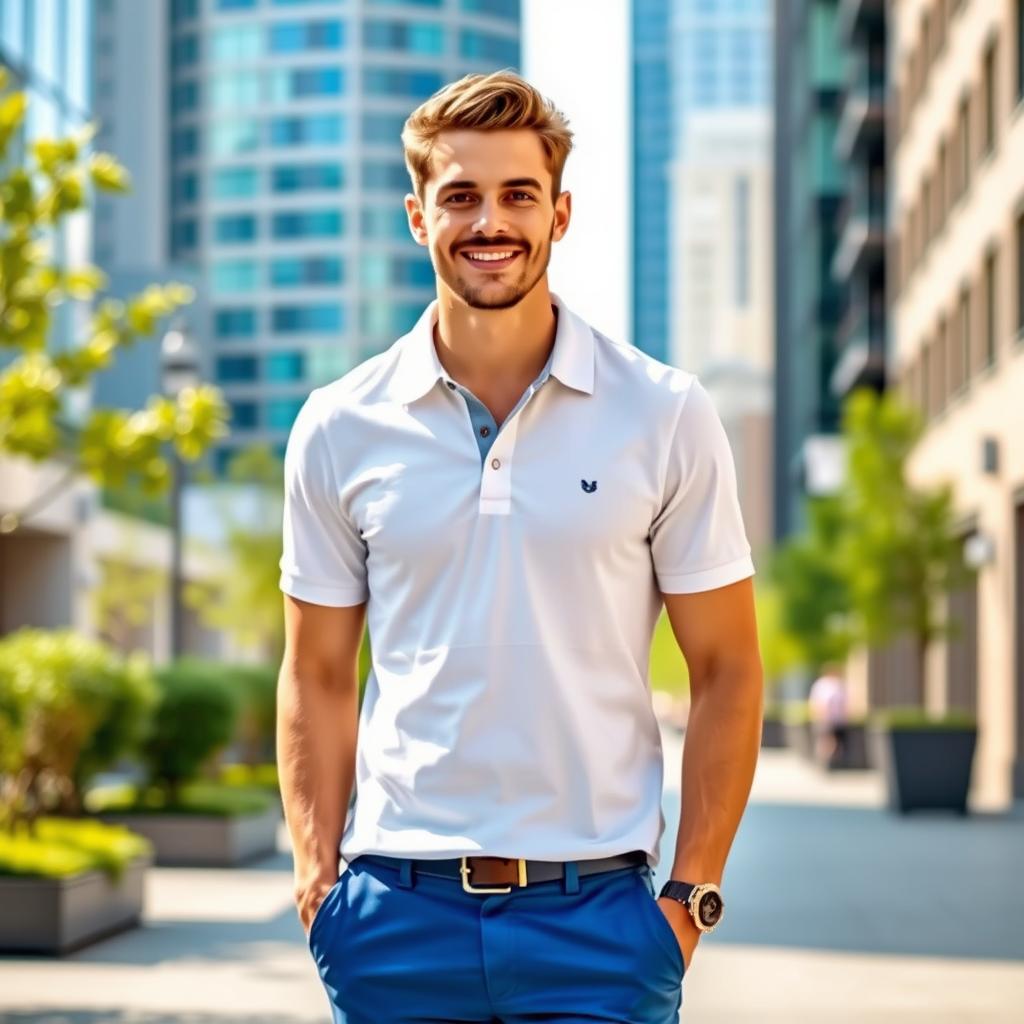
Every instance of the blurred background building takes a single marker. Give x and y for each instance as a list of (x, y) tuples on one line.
[(720, 222), (957, 195)]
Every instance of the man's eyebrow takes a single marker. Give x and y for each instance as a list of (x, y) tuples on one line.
[(511, 183)]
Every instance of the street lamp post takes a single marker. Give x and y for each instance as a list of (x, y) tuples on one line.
[(179, 366)]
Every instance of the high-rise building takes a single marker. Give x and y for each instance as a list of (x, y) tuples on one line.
[(38, 47), (652, 145), (859, 261), (281, 177), (957, 286), (810, 187), (719, 213)]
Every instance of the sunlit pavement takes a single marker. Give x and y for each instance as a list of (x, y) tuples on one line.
[(837, 912)]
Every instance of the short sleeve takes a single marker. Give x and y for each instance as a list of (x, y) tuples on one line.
[(698, 541), (324, 557)]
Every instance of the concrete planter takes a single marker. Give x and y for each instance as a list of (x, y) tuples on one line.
[(61, 915), (205, 840), (925, 769)]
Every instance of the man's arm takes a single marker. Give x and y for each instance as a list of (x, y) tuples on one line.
[(317, 727), (717, 633)]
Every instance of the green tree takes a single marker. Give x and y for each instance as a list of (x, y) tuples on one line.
[(899, 549), (813, 599), (111, 446)]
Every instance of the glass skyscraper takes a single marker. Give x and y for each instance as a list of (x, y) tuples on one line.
[(287, 179)]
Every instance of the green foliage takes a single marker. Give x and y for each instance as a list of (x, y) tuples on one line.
[(69, 707), (251, 776), (59, 848), (914, 718), (256, 689), (195, 718), (899, 550), (812, 593), (111, 446), (668, 669), (198, 797)]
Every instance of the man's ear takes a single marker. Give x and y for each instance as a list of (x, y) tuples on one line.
[(563, 214), (417, 219)]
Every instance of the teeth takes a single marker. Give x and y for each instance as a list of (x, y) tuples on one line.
[(487, 257)]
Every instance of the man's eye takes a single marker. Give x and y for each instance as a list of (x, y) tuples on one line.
[(458, 195), (525, 195)]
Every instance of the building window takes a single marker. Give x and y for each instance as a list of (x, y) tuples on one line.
[(298, 271), (991, 309), (185, 50), (964, 333), (408, 36), (297, 36), (185, 234), (237, 42), (240, 135), (240, 227), (186, 188), (235, 276), (231, 90), (184, 96), (307, 177), (939, 364), (476, 45), (285, 366), (387, 223), (244, 415), (405, 82), (236, 5), (235, 323), (383, 128), (926, 379), (311, 130), (1020, 49), (964, 143), (383, 174), (991, 102), (235, 182), (1020, 277), (185, 142), (321, 317), (281, 412), (383, 270), (308, 224), (302, 83), (237, 368)]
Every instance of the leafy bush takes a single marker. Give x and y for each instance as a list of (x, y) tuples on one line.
[(60, 847), (256, 689), (199, 797), (918, 718), (69, 707), (194, 719), (260, 776)]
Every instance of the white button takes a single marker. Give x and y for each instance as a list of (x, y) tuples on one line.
[(495, 463)]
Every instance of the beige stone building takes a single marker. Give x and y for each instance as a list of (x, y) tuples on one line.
[(956, 219)]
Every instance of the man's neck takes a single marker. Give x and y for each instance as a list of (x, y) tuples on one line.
[(496, 351)]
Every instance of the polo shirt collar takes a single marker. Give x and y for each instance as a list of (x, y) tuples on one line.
[(418, 367)]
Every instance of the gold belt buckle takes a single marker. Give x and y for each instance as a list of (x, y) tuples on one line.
[(468, 886)]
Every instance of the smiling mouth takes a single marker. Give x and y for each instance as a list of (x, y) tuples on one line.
[(491, 264)]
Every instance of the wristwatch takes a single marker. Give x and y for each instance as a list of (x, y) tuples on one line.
[(703, 901)]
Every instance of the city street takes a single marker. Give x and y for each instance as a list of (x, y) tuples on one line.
[(837, 911)]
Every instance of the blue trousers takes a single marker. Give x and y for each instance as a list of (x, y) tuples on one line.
[(395, 946)]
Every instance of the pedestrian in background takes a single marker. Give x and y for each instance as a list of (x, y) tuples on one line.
[(827, 700)]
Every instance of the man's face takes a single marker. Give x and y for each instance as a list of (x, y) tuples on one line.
[(489, 193)]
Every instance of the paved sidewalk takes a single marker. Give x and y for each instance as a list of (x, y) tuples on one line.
[(837, 912)]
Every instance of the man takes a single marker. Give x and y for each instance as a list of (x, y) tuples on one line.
[(509, 496)]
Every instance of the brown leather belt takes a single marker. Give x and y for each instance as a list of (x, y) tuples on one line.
[(500, 874)]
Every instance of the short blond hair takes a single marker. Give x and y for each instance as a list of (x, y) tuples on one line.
[(496, 101)]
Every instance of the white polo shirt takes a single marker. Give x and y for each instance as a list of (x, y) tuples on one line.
[(512, 587)]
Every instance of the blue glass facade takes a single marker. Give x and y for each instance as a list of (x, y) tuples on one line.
[(652, 148), (288, 179)]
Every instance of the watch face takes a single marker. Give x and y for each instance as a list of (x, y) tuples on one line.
[(709, 909)]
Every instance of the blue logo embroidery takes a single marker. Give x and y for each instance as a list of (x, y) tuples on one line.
[(589, 488)]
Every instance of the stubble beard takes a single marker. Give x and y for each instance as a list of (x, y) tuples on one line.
[(495, 295)]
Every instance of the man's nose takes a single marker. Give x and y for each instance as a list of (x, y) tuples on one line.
[(489, 216)]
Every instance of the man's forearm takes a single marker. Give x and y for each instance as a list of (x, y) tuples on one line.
[(723, 740), (317, 728)]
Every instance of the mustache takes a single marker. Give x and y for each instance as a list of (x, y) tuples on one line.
[(499, 247)]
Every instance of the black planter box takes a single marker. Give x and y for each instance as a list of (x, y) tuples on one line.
[(925, 769), (854, 754)]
